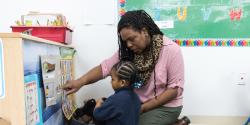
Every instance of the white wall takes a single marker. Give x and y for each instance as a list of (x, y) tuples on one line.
[(210, 72), (211, 75)]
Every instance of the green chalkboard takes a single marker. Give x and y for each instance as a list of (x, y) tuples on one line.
[(204, 18)]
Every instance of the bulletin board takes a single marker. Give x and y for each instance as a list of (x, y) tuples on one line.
[(32, 66), (199, 22)]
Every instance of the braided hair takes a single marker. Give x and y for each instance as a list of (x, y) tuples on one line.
[(137, 19), (126, 70)]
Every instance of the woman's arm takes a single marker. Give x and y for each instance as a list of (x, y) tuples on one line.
[(175, 80), (91, 76), (162, 99)]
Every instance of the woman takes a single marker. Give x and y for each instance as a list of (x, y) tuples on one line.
[(160, 64)]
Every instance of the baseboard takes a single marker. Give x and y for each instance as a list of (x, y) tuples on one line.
[(218, 120)]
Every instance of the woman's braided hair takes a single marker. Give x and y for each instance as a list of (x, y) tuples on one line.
[(137, 19)]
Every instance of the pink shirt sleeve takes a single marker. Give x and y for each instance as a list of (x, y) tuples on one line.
[(107, 64), (175, 71)]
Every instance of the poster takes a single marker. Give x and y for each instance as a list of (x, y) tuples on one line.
[(68, 104), (32, 100), (67, 53), (32, 51), (51, 78)]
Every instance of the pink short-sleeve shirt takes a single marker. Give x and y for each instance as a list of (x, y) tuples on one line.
[(169, 73)]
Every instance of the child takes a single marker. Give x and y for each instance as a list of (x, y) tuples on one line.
[(123, 107)]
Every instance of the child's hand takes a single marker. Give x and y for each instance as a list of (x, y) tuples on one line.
[(99, 102)]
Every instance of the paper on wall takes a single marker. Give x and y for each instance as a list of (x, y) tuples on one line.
[(51, 78), (165, 24), (33, 110), (68, 104)]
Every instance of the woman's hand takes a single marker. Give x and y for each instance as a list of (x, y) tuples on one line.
[(99, 103), (161, 99), (72, 86), (143, 109), (90, 77)]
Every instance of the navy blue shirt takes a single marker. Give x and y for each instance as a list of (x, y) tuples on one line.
[(121, 108)]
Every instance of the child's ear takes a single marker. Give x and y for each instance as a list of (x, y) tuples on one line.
[(124, 82)]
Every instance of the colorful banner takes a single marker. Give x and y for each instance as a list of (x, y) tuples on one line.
[(213, 42), (199, 42), (122, 9)]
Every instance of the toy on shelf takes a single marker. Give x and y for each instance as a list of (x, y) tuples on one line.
[(50, 26)]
